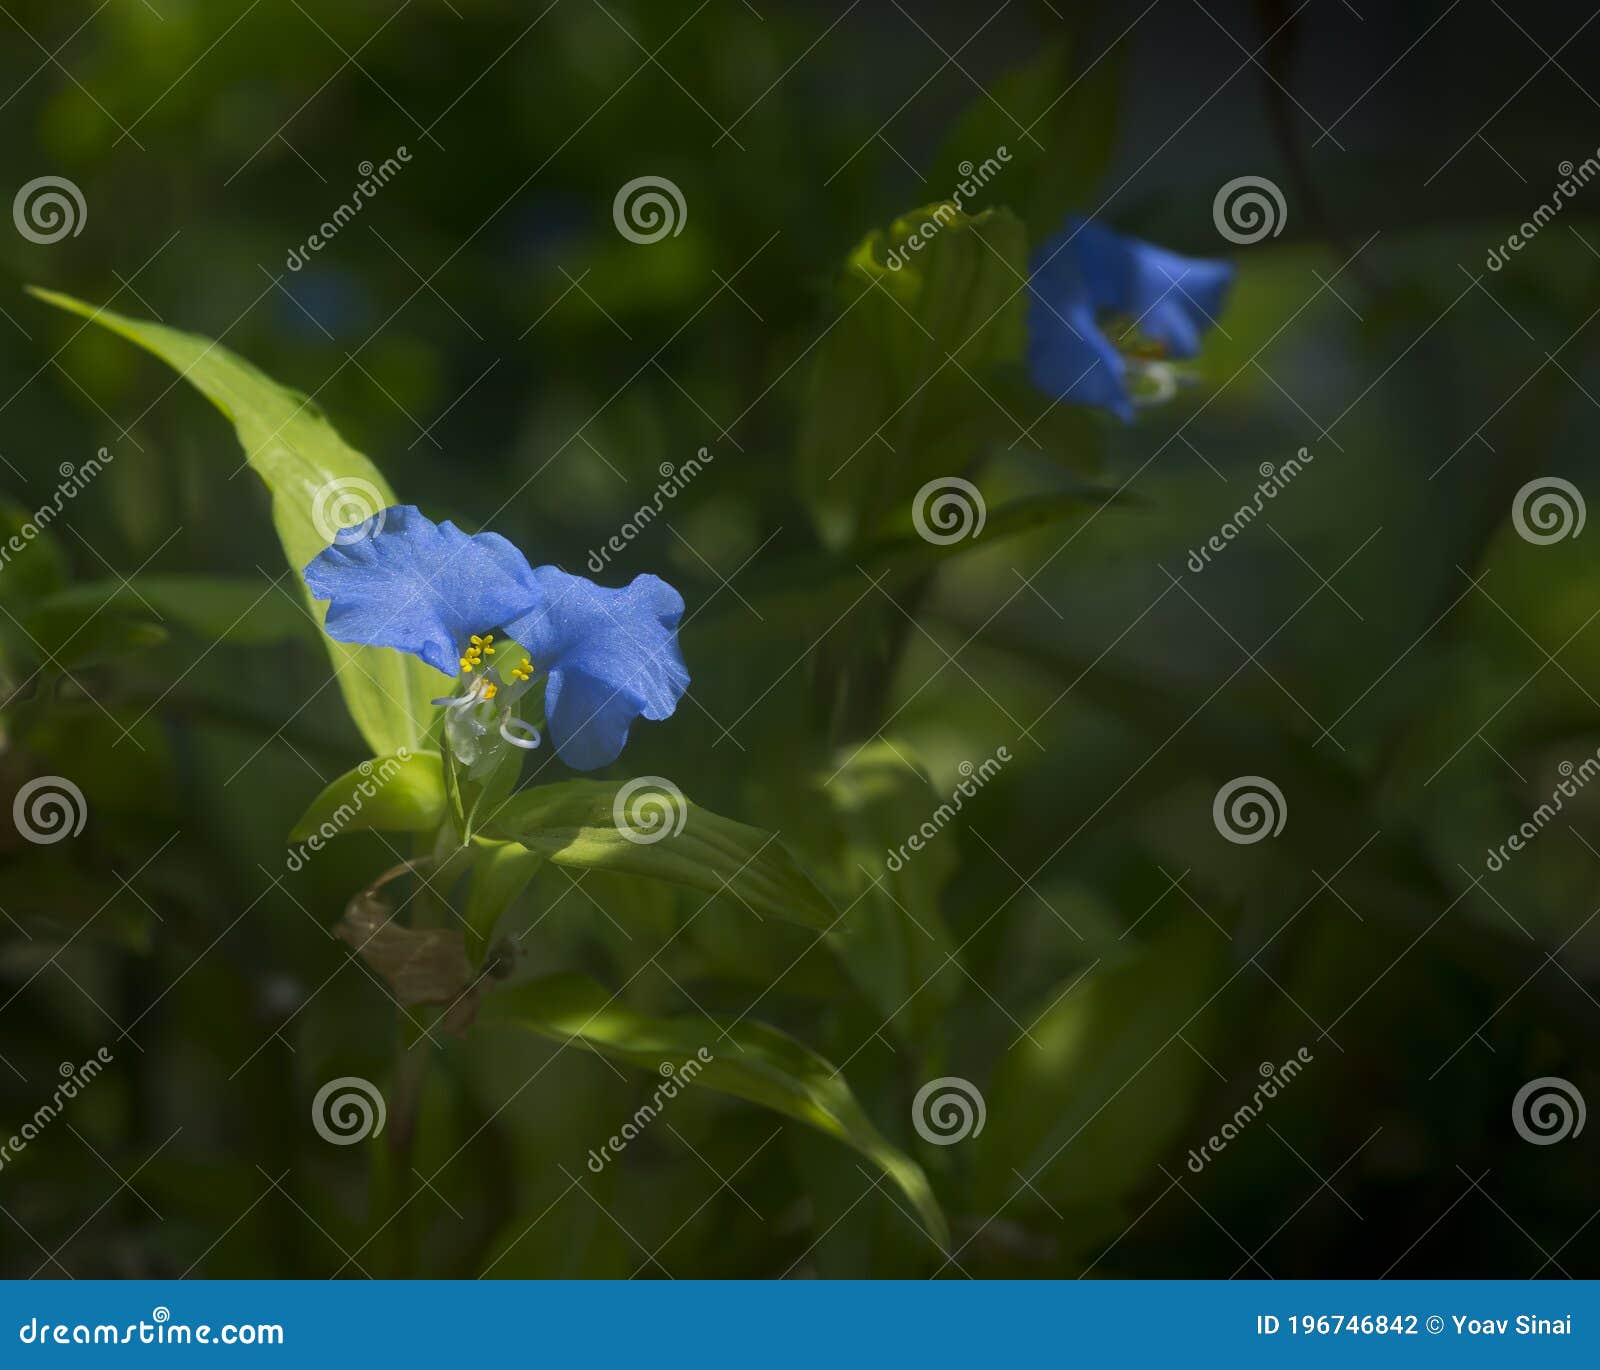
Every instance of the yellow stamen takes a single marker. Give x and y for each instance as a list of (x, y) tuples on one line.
[(523, 670), (1127, 337), (490, 690), (474, 654)]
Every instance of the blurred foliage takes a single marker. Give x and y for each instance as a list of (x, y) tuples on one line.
[(1081, 946)]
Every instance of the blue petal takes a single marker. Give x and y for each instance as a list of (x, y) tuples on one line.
[(400, 580), (1070, 358), (1087, 271), (612, 655), (1172, 298)]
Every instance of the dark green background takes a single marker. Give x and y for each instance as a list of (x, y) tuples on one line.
[(486, 336)]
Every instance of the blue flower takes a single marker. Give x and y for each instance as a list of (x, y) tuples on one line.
[(1107, 310), (609, 656)]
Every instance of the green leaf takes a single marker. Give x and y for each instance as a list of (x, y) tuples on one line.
[(34, 563), (76, 639), (403, 792), (850, 818), (1057, 120), (654, 831), (806, 592), (1101, 1087), (896, 393), (500, 872), (747, 1060), (305, 465), (252, 613)]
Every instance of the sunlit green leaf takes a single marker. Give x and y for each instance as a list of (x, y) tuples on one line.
[(500, 872), (1087, 1103), (852, 820), (658, 833), (313, 476), (895, 394), (746, 1059), (388, 793)]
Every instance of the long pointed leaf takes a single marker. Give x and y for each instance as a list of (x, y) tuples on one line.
[(748, 1060), (304, 462), (576, 823)]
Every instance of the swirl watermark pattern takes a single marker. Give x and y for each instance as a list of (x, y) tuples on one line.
[(1249, 808), (948, 509), (48, 209), (1548, 1110), (648, 809), (1248, 209), (649, 208), (348, 510), (348, 1110), (1548, 509), (948, 1110), (49, 809)]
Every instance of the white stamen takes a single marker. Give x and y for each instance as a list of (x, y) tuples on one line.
[(1161, 374), (528, 743), (462, 701)]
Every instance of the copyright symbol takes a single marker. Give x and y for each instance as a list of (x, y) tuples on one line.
[(1436, 1324)]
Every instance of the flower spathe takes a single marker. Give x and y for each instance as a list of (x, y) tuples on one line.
[(1107, 310), (608, 656)]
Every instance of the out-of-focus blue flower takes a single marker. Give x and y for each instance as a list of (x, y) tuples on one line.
[(319, 302), (1107, 311), (608, 656)]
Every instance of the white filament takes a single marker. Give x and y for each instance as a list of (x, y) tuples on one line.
[(462, 701), (1160, 374), (527, 743)]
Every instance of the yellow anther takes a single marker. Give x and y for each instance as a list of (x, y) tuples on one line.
[(523, 670), (490, 690), (489, 650), (473, 655), (1127, 336)]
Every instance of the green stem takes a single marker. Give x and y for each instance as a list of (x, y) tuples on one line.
[(396, 1176)]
